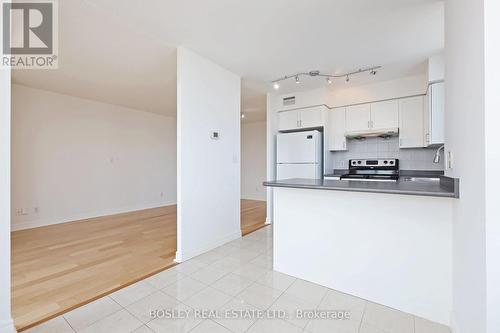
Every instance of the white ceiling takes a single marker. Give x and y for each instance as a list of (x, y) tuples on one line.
[(123, 51)]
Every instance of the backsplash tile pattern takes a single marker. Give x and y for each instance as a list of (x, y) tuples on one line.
[(409, 159)]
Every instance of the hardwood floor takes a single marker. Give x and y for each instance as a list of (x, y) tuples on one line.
[(57, 268), (60, 267), (253, 215)]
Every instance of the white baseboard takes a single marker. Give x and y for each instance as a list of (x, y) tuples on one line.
[(181, 256), (7, 326), (83, 216)]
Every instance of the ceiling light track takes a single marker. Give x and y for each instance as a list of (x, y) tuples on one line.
[(329, 77)]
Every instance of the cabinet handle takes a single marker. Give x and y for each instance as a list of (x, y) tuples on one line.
[(427, 138), (298, 124), (344, 144)]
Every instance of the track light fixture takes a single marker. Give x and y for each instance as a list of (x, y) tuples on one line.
[(329, 77)]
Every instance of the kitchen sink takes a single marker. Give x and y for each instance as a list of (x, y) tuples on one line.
[(421, 179)]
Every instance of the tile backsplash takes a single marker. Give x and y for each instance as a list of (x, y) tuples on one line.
[(409, 159)]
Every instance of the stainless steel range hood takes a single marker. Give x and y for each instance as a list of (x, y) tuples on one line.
[(387, 132)]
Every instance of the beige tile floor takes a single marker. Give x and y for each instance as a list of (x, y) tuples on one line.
[(239, 277)]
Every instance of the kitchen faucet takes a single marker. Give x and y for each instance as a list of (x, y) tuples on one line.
[(437, 157)]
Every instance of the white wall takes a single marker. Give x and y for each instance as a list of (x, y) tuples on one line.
[(74, 158), (465, 128), (435, 68), (492, 119), (208, 179), (271, 128), (407, 86), (253, 160), (6, 323)]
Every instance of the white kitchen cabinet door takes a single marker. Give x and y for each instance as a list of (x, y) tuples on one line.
[(357, 118), (337, 140), (435, 115), (288, 120), (311, 117), (411, 122), (385, 115)]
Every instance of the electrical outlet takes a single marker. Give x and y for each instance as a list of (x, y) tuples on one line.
[(21, 211), (449, 160)]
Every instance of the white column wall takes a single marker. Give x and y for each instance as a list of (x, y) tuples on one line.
[(464, 137), (6, 323), (271, 128), (492, 153), (208, 171)]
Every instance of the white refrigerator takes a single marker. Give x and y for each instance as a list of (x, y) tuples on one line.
[(299, 155)]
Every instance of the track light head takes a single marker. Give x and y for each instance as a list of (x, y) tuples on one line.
[(373, 72), (297, 80), (328, 80), (276, 85), (242, 116), (347, 79)]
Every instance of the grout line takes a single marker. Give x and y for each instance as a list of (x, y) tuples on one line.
[(214, 321), (362, 316), (66, 320), (111, 298)]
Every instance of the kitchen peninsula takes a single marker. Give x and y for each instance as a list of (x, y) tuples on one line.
[(389, 243)]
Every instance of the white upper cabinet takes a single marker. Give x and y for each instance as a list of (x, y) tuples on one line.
[(372, 116), (336, 126), (434, 115), (288, 120), (384, 115), (411, 122), (311, 117), (358, 118), (302, 118)]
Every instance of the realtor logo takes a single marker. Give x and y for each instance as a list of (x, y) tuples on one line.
[(29, 32)]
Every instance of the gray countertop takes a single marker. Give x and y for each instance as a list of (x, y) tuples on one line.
[(444, 187)]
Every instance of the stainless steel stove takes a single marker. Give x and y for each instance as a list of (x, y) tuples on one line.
[(373, 170)]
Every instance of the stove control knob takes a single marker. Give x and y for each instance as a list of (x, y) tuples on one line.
[(359, 162), (385, 162), (392, 162)]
